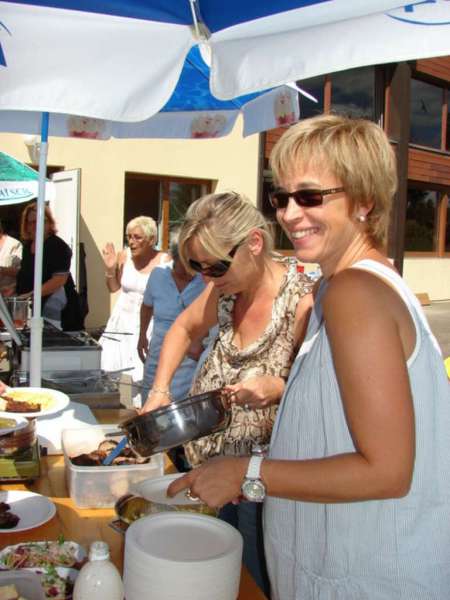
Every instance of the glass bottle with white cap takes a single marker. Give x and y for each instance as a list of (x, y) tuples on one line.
[(98, 579)]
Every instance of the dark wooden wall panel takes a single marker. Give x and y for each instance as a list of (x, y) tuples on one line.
[(436, 67), (272, 137), (427, 167)]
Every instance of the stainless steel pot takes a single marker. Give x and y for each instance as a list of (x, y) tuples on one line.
[(178, 423)]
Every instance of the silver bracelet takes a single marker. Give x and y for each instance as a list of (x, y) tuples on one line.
[(160, 391), (108, 276)]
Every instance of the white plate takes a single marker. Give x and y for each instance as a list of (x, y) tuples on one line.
[(155, 490), (21, 422), (32, 509), (183, 537), (60, 402)]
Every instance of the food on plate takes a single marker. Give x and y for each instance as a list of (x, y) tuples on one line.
[(9, 404), (8, 520), (9, 592), (56, 563), (16, 400), (42, 554), (96, 457), (130, 508), (56, 585), (7, 424)]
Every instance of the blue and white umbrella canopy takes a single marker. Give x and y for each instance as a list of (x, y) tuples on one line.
[(120, 60), (19, 182), (191, 112)]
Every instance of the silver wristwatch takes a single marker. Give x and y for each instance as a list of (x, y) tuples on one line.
[(253, 489)]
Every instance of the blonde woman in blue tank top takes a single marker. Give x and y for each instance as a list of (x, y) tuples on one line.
[(357, 481)]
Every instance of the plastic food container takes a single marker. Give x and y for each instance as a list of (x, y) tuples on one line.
[(100, 487), (27, 584)]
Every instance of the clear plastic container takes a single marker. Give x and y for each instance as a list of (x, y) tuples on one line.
[(100, 487), (27, 584), (99, 579)]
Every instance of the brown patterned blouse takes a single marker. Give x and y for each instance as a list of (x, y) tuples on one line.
[(271, 354)]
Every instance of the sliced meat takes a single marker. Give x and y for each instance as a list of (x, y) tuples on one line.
[(8, 520), (85, 460), (21, 407)]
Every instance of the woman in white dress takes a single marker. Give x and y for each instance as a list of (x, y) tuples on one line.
[(127, 272)]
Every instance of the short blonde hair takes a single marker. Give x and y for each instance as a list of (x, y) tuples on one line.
[(32, 207), (147, 224), (356, 151), (220, 222)]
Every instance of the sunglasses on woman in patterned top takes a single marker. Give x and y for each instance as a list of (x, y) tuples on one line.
[(217, 269)]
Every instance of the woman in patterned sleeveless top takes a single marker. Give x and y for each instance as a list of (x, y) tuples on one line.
[(357, 480), (260, 303)]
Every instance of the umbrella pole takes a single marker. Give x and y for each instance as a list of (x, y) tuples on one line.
[(37, 320)]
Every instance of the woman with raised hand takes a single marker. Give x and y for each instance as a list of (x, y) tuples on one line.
[(128, 271), (357, 480), (260, 304)]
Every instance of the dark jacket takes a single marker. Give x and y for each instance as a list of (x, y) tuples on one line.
[(57, 256)]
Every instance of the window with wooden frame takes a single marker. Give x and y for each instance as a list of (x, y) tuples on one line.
[(429, 114), (164, 198), (353, 93), (356, 92), (427, 227), (446, 124)]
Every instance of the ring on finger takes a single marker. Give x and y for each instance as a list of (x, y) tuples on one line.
[(246, 406), (232, 397), (190, 496)]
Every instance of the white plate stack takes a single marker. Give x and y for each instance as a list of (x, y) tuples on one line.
[(173, 555)]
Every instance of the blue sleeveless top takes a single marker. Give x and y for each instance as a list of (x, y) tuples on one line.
[(373, 550)]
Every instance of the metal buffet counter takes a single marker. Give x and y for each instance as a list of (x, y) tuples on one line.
[(70, 364), (86, 525)]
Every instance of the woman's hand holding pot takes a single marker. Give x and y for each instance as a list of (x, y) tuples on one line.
[(156, 398), (256, 392)]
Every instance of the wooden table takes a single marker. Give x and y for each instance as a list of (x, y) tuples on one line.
[(87, 525)]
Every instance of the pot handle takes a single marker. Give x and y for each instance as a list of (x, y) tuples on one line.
[(114, 433)]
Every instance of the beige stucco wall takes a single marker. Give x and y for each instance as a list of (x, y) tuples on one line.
[(428, 275), (231, 162)]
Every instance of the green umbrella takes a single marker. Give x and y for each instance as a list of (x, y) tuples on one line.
[(19, 182)]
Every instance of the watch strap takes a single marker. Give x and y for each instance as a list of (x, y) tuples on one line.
[(254, 467)]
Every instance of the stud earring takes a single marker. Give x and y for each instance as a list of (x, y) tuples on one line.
[(361, 218)]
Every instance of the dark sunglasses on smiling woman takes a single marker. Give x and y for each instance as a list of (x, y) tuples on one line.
[(306, 198), (218, 269)]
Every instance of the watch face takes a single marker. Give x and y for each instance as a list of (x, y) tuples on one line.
[(254, 490)]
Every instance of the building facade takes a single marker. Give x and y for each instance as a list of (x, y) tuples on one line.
[(411, 102), (120, 179)]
